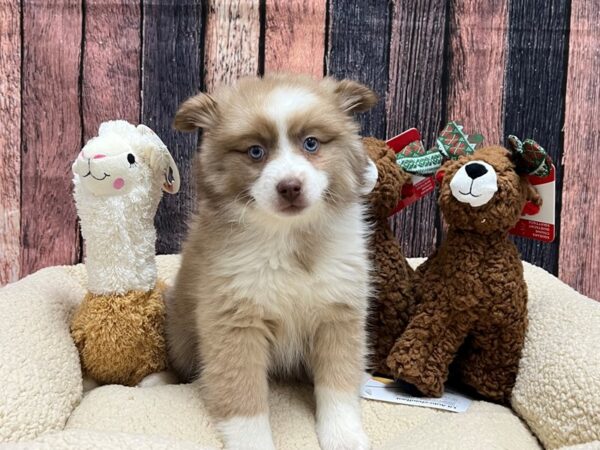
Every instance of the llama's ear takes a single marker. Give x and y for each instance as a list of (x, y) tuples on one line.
[(199, 111), (354, 97), (172, 180), (160, 159)]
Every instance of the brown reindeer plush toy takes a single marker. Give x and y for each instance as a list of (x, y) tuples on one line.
[(471, 292), (393, 301)]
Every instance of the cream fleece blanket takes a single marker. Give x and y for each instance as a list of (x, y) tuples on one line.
[(41, 405)]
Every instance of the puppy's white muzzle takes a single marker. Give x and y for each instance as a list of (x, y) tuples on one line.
[(475, 183), (289, 166)]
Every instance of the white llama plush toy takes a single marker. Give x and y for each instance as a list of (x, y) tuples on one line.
[(119, 178)]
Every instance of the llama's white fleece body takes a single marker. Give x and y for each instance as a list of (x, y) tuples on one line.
[(120, 238)]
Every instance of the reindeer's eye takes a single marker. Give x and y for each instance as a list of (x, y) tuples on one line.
[(130, 158)]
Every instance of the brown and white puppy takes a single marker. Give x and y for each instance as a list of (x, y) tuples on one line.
[(274, 277)]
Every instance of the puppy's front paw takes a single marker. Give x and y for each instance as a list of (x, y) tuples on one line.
[(339, 425), (341, 436), (247, 433)]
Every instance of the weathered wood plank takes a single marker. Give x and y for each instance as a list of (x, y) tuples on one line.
[(415, 99), (172, 67), (231, 41), (579, 256), (295, 36), (477, 38), (111, 63), (534, 93), (10, 141), (477, 42), (51, 132), (358, 49)]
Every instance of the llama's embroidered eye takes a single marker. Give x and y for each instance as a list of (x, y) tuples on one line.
[(256, 153), (311, 144), (130, 158)]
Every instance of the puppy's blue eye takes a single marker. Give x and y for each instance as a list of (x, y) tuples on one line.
[(311, 144), (256, 152)]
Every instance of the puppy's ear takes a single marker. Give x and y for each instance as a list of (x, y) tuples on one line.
[(199, 111), (354, 97)]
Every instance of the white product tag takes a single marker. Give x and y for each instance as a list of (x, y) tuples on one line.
[(386, 390), (540, 225)]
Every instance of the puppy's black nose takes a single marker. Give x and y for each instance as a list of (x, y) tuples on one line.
[(475, 170), (289, 189)]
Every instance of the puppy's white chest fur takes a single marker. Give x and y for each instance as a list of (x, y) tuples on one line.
[(297, 280), (290, 269)]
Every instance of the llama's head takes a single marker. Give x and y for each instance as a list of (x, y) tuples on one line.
[(122, 157)]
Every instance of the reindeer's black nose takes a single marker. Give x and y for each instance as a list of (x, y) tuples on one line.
[(475, 170)]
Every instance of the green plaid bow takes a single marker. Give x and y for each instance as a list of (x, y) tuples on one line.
[(450, 144), (530, 157)]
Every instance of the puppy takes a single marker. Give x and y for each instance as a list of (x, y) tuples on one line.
[(274, 277)]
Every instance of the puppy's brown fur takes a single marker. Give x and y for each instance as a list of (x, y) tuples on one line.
[(258, 295)]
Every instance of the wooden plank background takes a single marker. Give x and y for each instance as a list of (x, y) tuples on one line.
[(10, 142), (294, 36), (51, 131), (172, 73), (527, 67), (111, 64), (415, 99), (534, 93), (579, 255)]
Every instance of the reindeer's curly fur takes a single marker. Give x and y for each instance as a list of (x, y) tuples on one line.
[(393, 303), (473, 298)]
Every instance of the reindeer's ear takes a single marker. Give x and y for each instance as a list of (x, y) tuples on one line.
[(199, 111), (533, 195), (533, 199), (354, 97)]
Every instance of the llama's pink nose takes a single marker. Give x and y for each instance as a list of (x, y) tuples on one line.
[(99, 155)]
